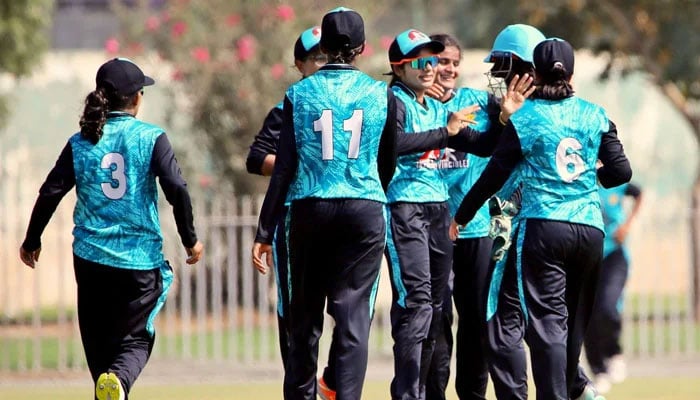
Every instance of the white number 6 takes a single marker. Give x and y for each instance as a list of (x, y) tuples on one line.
[(570, 165), (117, 187)]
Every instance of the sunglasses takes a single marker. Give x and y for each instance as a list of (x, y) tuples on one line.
[(420, 62)]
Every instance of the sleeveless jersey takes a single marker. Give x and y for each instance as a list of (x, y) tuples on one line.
[(417, 178), (339, 117), (116, 213), (560, 142), (460, 170)]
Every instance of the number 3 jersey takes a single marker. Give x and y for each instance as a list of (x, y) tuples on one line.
[(337, 135), (116, 213), (560, 141)]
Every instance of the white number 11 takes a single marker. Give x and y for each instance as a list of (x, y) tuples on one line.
[(352, 124)]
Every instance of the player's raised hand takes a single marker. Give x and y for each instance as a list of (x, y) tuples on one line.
[(29, 258), (460, 119), (519, 89), (194, 253), (260, 249)]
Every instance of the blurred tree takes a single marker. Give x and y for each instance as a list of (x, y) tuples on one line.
[(654, 37), (23, 39), (232, 61)]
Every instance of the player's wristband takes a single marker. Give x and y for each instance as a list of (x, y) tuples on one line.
[(500, 119)]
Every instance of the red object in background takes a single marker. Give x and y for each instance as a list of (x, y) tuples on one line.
[(233, 20), (369, 50), (205, 181), (152, 23), (112, 46), (201, 54), (179, 29), (277, 71), (178, 75), (386, 42), (135, 48), (285, 12), (245, 47)]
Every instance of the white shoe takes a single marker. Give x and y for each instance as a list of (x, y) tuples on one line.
[(617, 369), (602, 383)]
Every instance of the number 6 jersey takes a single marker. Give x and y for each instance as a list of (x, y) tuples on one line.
[(559, 174)]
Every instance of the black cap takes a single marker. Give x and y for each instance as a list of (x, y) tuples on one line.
[(551, 52), (307, 42), (409, 43), (342, 28), (122, 76)]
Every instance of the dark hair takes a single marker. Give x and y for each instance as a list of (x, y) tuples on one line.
[(394, 77), (446, 40), (97, 104), (554, 85), (507, 67), (521, 68), (344, 56)]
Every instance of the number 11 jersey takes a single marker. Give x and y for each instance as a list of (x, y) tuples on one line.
[(339, 115)]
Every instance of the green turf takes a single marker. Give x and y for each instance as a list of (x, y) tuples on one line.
[(17, 353), (648, 388)]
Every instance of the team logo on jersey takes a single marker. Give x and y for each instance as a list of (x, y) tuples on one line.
[(316, 31), (453, 159), (429, 159), (613, 199)]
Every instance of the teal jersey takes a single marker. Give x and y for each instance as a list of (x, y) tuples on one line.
[(337, 137), (417, 178), (560, 142), (116, 213), (614, 214), (460, 170)]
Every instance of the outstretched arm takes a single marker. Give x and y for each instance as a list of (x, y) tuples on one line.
[(60, 181)]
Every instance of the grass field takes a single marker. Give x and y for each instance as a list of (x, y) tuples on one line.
[(647, 388)]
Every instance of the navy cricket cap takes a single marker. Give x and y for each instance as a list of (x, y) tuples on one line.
[(122, 76), (342, 28), (553, 52), (409, 43), (307, 42)]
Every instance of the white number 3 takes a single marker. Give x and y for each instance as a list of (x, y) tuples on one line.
[(116, 188), (570, 165)]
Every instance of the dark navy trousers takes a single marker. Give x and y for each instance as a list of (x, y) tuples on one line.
[(335, 253), (419, 252), (470, 267), (559, 264), (114, 305), (602, 339), (282, 281)]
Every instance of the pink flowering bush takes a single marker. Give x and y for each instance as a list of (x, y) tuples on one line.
[(232, 61)]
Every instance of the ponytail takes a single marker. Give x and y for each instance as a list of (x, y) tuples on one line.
[(98, 104), (94, 115), (344, 56), (554, 85)]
